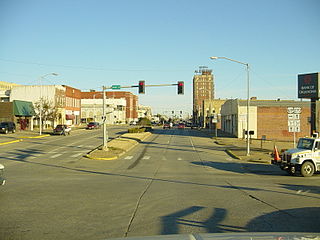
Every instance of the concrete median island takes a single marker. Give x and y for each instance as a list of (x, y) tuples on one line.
[(118, 146)]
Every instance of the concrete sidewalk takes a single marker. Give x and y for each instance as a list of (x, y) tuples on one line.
[(260, 151)]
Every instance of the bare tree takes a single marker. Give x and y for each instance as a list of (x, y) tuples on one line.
[(48, 111)]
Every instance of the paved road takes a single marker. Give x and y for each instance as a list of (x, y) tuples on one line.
[(178, 181)]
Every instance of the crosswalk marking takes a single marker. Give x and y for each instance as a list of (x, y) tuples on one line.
[(128, 157), (146, 157), (56, 155)]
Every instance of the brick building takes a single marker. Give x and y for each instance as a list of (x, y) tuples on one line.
[(19, 112), (268, 118), (64, 102), (131, 101), (203, 89), (73, 105)]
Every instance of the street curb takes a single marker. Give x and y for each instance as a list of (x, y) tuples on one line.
[(106, 159), (137, 141), (41, 136), (232, 154), (4, 143)]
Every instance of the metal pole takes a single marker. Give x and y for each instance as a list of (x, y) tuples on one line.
[(40, 111), (105, 146), (248, 110)]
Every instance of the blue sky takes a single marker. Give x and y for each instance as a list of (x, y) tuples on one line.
[(100, 42)]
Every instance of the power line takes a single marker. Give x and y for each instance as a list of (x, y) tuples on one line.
[(93, 68)]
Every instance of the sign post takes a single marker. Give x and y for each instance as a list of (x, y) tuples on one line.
[(294, 121), (308, 87)]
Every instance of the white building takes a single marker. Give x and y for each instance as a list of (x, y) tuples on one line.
[(144, 112), (92, 110), (54, 95), (5, 89)]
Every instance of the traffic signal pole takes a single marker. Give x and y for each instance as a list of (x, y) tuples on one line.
[(105, 133), (180, 85)]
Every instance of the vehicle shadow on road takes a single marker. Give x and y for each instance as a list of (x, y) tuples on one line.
[(171, 223), (235, 167), (287, 220)]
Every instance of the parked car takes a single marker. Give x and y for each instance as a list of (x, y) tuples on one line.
[(166, 125), (93, 125), (62, 129), (6, 127), (2, 179), (181, 126)]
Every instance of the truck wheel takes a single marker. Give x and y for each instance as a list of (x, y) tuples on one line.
[(307, 169), (6, 131)]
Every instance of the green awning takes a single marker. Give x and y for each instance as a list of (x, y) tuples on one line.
[(23, 108)]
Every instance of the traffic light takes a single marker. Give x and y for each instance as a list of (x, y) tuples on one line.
[(142, 87), (180, 87)]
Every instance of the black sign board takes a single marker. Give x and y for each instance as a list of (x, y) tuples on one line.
[(308, 85)]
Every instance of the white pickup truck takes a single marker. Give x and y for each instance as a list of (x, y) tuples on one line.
[(304, 159)]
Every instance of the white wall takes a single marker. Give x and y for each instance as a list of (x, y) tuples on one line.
[(234, 118), (94, 107)]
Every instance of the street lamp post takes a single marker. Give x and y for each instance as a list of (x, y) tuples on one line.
[(40, 111), (248, 97), (203, 107)]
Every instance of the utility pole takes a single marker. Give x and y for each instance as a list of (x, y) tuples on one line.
[(105, 134)]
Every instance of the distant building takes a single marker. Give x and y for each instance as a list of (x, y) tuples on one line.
[(203, 89), (92, 110), (211, 112), (131, 101), (63, 102), (5, 89), (144, 112), (73, 105), (269, 119), (19, 112)]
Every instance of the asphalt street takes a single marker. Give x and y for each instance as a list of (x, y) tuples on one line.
[(177, 181)]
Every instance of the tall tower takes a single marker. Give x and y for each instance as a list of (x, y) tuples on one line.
[(203, 89)]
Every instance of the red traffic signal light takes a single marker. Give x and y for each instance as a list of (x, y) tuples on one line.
[(142, 87), (180, 87)]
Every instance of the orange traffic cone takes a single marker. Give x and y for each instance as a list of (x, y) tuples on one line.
[(276, 156)]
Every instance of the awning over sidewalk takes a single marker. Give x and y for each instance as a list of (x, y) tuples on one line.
[(70, 117), (23, 108)]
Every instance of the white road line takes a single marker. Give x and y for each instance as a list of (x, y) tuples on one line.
[(76, 155), (179, 159), (194, 149), (128, 157), (57, 155), (80, 146), (146, 157)]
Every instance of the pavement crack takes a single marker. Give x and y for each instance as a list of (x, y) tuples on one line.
[(139, 201)]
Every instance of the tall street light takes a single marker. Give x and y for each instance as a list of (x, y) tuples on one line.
[(248, 96), (40, 111)]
